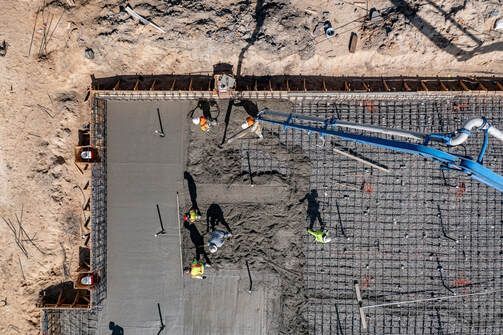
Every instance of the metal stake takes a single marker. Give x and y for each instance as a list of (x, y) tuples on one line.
[(249, 277), (162, 231), (159, 132)]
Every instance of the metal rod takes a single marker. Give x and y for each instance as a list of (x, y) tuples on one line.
[(431, 299), (249, 277), (249, 167), (361, 160), (179, 231), (162, 231), (160, 132)]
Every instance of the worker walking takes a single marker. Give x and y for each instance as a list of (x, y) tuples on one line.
[(217, 239), (320, 235)]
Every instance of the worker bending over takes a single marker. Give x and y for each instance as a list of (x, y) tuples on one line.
[(203, 123), (320, 235), (192, 215), (217, 239), (196, 269), (254, 126)]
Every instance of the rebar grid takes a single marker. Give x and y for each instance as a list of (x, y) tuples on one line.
[(99, 202), (69, 322), (414, 233)]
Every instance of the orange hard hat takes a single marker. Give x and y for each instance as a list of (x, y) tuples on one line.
[(250, 121)]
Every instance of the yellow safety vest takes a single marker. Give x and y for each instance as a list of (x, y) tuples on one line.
[(197, 270)]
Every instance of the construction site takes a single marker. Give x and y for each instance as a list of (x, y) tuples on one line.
[(253, 167), (416, 246)]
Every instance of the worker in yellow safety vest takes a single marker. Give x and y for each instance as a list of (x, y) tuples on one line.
[(320, 235), (196, 269), (192, 216)]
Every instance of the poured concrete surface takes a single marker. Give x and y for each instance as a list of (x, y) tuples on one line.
[(221, 304), (143, 170)]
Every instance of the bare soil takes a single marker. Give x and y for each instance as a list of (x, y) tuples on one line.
[(44, 84)]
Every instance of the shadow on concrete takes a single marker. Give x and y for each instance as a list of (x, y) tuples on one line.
[(249, 106), (116, 329), (198, 241), (313, 209), (215, 216), (191, 184), (206, 105)]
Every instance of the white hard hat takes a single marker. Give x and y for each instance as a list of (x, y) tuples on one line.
[(244, 125), (213, 248), (195, 120)]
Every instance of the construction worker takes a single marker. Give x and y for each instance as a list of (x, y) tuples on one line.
[(320, 235), (192, 216), (202, 122), (250, 124), (217, 239), (254, 126), (196, 269)]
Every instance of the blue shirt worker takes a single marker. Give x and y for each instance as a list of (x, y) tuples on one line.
[(217, 239)]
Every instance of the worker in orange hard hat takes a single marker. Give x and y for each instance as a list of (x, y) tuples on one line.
[(202, 122), (254, 126), (249, 124)]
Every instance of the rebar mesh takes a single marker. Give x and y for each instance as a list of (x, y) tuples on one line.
[(99, 202), (69, 322), (414, 233)]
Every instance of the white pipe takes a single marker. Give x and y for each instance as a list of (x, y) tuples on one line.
[(478, 123), (351, 125)]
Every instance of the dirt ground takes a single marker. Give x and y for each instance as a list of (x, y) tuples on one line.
[(43, 87)]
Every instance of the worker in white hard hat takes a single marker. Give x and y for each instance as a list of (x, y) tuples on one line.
[(217, 239)]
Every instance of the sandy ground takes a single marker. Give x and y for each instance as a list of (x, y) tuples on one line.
[(43, 104)]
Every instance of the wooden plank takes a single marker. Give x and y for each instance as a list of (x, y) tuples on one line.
[(482, 86), (353, 39), (153, 85), (385, 84), (346, 86), (463, 85), (136, 84), (406, 86), (423, 85), (442, 85), (116, 87)]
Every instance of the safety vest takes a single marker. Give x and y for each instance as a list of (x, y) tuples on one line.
[(193, 215), (203, 124), (197, 270), (318, 235)]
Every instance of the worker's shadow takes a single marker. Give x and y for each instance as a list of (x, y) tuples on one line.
[(191, 184), (215, 216), (313, 208), (116, 329), (198, 241), (249, 106), (205, 106)]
